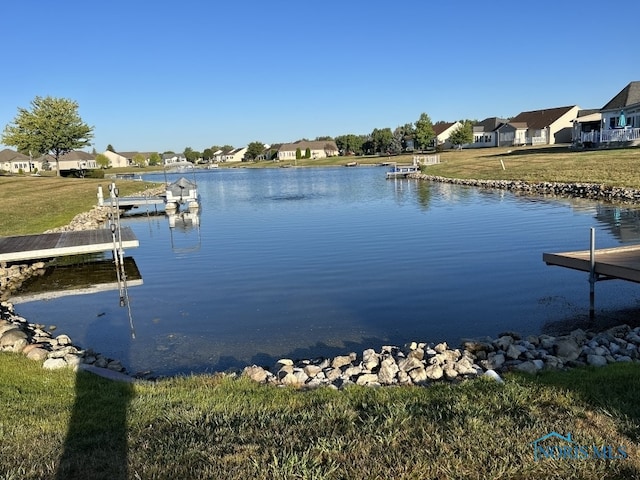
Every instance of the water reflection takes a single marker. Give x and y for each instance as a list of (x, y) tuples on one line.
[(77, 276)]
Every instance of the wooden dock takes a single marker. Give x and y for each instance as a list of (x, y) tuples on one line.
[(49, 245), (621, 262), (604, 264), (134, 202)]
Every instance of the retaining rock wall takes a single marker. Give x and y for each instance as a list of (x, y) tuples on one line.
[(581, 190)]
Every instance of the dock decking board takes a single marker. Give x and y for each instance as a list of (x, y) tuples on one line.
[(621, 262), (47, 245)]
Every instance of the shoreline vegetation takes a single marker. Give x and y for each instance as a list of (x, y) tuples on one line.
[(66, 424)]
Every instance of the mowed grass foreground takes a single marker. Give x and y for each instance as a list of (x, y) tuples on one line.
[(59, 424)]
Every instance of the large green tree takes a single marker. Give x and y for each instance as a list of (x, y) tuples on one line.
[(424, 133), (462, 134), (254, 150), (102, 160), (349, 144), (382, 139), (155, 159), (52, 126)]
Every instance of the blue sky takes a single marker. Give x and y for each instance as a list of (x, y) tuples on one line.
[(157, 76)]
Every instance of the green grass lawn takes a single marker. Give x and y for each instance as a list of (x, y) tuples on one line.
[(58, 424), (35, 204)]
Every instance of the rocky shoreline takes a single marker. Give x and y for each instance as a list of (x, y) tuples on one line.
[(417, 363), (591, 191)]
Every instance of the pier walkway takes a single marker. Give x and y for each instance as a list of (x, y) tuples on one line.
[(49, 245), (620, 262)]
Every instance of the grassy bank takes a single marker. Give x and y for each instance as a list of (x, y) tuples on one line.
[(82, 426), (35, 204)]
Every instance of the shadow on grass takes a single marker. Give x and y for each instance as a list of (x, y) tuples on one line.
[(613, 390), (96, 443)]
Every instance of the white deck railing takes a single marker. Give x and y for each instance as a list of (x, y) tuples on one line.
[(426, 159), (614, 135)]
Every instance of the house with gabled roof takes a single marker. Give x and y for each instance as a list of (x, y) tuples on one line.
[(16, 162), (317, 149), (173, 158), (116, 160), (621, 117), (485, 133), (235, 155), (75, 162), (443, 131), (542, 127)]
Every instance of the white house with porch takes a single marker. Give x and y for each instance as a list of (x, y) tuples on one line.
[(615, 124), (542, 127)]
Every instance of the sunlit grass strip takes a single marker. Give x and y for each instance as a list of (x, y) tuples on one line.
[(35, 204), (215, 427)]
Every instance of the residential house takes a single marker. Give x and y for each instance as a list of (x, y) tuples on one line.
[(169, 159), (443, 131), (15, 162), (621, 117), (235, 155), (317, 149), (116, 160), (506, 134), (217, 156), (70, 162), (485, 133), (586, 128), (542, 127)]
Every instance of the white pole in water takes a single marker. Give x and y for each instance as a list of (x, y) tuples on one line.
[(592, 274)]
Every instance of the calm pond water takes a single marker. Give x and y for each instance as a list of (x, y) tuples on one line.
[(306, 262)]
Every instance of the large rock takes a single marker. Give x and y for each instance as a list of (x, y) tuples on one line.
[(370, 359), (341, 361), (388, 371), (409, 363), (434, 372), (256, 373), (527, 367), (11, 337), (368, 379), (567, 348), (37, 354), (596, 360), (54, 363)]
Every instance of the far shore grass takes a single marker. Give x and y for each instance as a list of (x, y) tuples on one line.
[(66, 425)]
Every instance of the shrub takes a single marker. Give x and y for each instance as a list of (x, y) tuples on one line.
[(97, 173)]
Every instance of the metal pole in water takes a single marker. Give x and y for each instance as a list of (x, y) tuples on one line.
[(592, 274)]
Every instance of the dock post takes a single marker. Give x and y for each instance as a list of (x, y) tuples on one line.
[(592, 274), (100, 196)]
